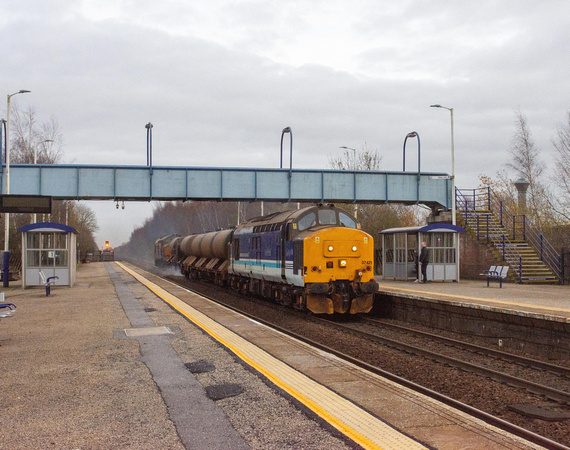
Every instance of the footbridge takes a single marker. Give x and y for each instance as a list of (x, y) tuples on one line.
[(144, 183)]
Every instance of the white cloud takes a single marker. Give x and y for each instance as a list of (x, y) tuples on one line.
[(220, 79)]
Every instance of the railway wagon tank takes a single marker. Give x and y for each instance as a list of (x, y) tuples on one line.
[(206, 255), (314, 258)]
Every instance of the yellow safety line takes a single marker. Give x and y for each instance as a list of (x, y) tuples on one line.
[(240, 347), (435, 294)]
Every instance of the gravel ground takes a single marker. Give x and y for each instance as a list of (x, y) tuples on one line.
[(261, 415), (474, 390)]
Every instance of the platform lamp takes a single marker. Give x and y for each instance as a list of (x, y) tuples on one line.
[(353, 155), (413, 134), (452, 164), (354, 168), (6, 272), (285, 131)]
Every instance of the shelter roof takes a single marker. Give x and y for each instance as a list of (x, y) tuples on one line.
[(48, 227), (431, 228)]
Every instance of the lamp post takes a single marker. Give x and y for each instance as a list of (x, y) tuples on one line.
[(34, 217), (6, 273), (452, 164), (148, 127), (413, 134), (353, 168), (287, 130), (353, 156)]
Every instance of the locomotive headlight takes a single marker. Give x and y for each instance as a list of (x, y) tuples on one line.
[(342, 263), (331, 248), (354, 248)]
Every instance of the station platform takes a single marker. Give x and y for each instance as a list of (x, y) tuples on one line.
[(127, 359), (550, 302)]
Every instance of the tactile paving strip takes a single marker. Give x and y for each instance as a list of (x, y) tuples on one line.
[(357, 424)]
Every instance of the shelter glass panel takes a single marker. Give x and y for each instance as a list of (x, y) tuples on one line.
[(60, 258), (60, 240), (401, 240), (33, 240), (438, 256), (46, 240), (33, 258), (46, 258)]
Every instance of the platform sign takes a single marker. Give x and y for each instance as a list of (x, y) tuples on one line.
[(37, 204)]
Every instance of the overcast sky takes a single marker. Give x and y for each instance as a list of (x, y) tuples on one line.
[(220, 79)]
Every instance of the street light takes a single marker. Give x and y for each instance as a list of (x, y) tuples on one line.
[(287, 130), (46, 141), (35, 217), (6, 274), (413, 134), (353, 155), (148, 127), (353, 168), (452, 164)]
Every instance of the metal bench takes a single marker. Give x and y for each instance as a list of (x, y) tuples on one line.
[(496, 273), (7, 309), (47, 281)]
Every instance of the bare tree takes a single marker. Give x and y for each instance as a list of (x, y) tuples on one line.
[(353, 159), (527, 164), (562, 171), (42, 142), (28, 138), (83, 219)]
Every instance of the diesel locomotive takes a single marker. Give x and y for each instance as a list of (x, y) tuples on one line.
[(314, 258)]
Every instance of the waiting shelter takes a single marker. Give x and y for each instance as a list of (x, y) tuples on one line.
[(401, 248), (50, 248)]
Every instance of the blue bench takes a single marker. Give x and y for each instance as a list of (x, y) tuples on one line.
[(496, 273), (47, 281), (7, 309)]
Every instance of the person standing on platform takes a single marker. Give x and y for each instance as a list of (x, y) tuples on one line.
[(424, 259)]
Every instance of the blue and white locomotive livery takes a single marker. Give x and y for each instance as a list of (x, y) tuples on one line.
[(315, 258)]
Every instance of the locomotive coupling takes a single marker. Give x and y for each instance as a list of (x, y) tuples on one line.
[(319, 288), (370, 287)]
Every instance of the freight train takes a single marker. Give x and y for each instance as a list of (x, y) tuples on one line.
[(314, 258)]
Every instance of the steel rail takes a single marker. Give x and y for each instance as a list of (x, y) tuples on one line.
[(474, 412), (516, 359), (535, 388)]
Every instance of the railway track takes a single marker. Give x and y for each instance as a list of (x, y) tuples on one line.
[(559, 396), (562, 373)]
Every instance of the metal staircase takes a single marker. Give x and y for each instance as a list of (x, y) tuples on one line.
[(514, 239)]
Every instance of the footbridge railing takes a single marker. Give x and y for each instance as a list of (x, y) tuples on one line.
[(474, 207), (518, 226), (141, 183)]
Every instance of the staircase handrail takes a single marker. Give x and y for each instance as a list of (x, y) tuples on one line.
[(530, 233), (467, 207)]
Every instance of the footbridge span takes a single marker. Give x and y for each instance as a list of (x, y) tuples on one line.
[(144, 183)]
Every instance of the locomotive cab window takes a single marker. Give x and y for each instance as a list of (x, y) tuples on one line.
[(346, 221), (307, 221), (327, 217)]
